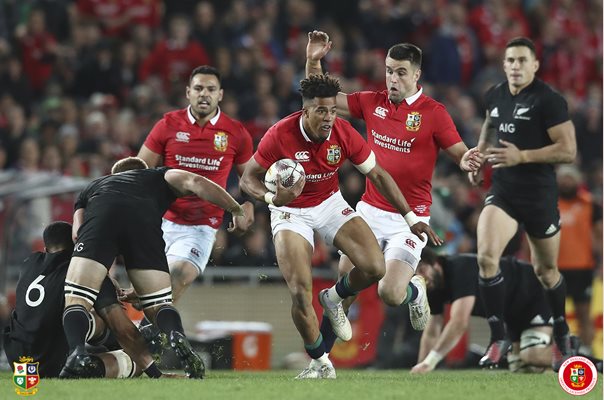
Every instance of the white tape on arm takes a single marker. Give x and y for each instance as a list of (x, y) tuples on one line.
[(433, 358), (366, 165), (411, 218), (269, 197)]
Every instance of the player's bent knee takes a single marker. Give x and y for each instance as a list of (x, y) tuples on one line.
[(79, 294), (152, 302), (121, 365), (390, 295), (488, 264)]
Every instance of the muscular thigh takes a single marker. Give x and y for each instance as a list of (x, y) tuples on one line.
[(356, 240), (495, 229), (148, 281), (142, 244), (294, 255)]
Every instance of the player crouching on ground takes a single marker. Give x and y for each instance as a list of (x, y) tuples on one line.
[(454, 280), (122, 214)]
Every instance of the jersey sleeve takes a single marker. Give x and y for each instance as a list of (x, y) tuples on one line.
[(82, 200), (445, 134), (246, 148), (554, 109), (266, 153), (156, 140), (356, 101), (357, 149)]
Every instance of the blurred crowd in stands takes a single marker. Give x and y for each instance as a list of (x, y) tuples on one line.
[(83, 81)]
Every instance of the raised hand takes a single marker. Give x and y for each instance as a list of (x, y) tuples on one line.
[(471, 160), (318, 45)]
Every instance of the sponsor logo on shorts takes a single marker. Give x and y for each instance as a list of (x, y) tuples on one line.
[(347, 211), (79, 246), (25, 376), (284, 215), (577, 376), (410, 243), (552, 229), (194, 251)]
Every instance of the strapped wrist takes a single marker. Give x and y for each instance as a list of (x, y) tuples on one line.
[(433, 358), (411, 218), (269, 197)]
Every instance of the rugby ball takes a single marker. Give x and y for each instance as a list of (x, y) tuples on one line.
[(289, 170)]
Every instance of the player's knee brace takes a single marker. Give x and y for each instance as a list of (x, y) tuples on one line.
[(126, 368), (163, 296), (72, 289), (532, 338)]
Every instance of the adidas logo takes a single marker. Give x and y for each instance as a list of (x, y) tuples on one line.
[(488, 200), (537, 320), (552, 229), (494, 112)]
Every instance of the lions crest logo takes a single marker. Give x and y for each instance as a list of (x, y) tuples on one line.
[(414, 121), (334, 154), (221, 141), (25, 376)]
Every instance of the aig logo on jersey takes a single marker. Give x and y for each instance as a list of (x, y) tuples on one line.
[(414, 121), (334, 154), (221, 141), (520, 112)]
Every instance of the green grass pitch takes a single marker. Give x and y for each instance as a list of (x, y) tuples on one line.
[(351, 384)]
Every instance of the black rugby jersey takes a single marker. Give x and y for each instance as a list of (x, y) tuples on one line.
[(141, 188), (37, 318), (523, 119), (461, 280)]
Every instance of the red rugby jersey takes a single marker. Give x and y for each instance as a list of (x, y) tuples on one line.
[(321, 161), (209, 151), (406, 140)]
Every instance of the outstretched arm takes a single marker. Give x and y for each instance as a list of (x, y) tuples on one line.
[(318, 46), (187, 183), (461, 310), (388, 188)]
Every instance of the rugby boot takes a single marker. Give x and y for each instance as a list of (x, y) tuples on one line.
[(190, 360), (339, 321), (80, 365), (155, 339), (419, 309), (495, 352)]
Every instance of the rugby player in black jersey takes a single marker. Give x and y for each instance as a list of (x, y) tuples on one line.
[(526, 131)]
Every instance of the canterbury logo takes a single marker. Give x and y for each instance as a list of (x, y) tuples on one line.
[(182, 137), (380, 112), (302, 156)]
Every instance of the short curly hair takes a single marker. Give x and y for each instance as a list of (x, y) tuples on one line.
[(319, 85)]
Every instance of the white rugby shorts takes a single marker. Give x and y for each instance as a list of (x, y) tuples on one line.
[(393, 234), (326, 218), (192, 243)]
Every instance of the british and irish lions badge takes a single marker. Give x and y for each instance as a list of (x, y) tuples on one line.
[(25, 376)]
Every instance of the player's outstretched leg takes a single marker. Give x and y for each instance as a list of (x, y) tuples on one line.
[(192, 363), (419, 309)]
